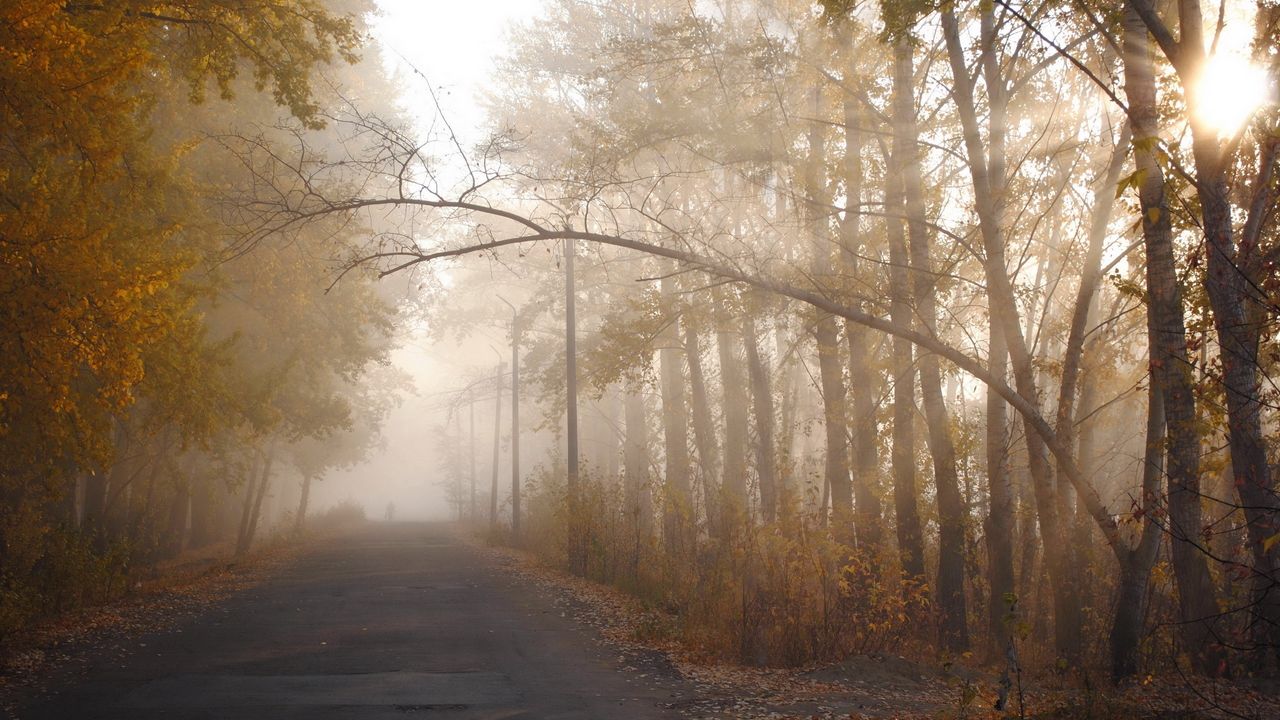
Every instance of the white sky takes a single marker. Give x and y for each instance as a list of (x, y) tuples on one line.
[(452, 42)]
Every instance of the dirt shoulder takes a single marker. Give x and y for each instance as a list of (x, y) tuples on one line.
[(165, 596), (873, 686), (888, 687)]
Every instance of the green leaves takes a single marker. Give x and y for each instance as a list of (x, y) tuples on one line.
[(1132, 181)]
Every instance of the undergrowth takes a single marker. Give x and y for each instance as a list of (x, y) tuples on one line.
[(784, 594)]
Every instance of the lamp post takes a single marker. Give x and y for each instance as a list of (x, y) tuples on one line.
[(471, 406), (515, 420), (577, 550), (497, 437)]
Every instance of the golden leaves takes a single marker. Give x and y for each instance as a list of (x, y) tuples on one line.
[(93, 257)]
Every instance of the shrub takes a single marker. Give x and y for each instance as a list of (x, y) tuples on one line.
[(786, 593)]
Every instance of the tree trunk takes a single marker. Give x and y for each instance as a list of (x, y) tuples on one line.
[(250, 492), (95, 506), (99, 484), (704, 431), (903, 458), (1135, 568), (762, 410), (1170, 366), (951, 510), (300, 522), (1000, 512), (986, 172), (637, 489), (471, 452), (1241, 314), (255, 508), (863, 384), (204, 513), (577, 519), (677, 505), (615, 436), (836, 426), (515, 421), (1073, 358), (179, 512), (826, 334), (734, 391), (786, 385), (246, 504)]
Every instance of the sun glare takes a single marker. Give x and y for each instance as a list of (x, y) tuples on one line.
[(1228, 92)]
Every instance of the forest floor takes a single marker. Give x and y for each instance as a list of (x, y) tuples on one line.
[(874, 686), (164, 596)]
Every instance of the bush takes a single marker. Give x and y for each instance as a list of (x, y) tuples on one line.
[(345, 513), (50, 570), (781, 594)]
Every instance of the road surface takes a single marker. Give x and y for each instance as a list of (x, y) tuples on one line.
[(396, 620)]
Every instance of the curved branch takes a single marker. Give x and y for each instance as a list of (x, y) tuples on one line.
[(1061, 452)]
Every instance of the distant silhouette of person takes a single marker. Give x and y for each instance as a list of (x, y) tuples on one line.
[(391, 511)]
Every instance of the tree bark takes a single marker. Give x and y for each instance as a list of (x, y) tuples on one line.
[(986, 172), (786, 384), (515, 424), (736, 402), (471, 452), (951, 510), (1170, 366), (1000, 496), (246, 507), (179, 512), (704, 431), (826, 332), (637, 491), (1074, 355), (95, 506), (763, 411), (577, 519), (1240, 316), (864, 383), (205, 512), (677, 500), (1135, 566), (300, 522), (253, 505), (903, 457)]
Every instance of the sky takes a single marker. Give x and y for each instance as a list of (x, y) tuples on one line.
[(454, 44)]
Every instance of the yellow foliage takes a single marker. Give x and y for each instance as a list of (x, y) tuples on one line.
[(92, 246), (781, 594)]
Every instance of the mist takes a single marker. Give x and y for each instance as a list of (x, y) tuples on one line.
[(817, 337)]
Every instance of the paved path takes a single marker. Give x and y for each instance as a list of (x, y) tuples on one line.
[(395, 620)]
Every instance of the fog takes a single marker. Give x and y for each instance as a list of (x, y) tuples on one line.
[(401, 471), (826, 327)]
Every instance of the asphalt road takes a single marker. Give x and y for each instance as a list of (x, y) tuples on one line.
[(395, 620)]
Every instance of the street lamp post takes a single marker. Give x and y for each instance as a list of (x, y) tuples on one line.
[(577, 550), (515, 420), (497, 433)]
